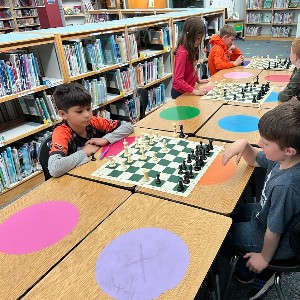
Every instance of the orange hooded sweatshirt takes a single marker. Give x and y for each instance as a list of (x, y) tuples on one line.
[(219, 57)]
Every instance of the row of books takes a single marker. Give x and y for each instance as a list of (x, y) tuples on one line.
[(19, 161), (27, 21), (18, 72), (20, 3), (39, 105), (253, 30), (10, 111), (120, 81), (26, 13), (281, 31), (256, 4), (149, 71), (259, 18), (284, 18), (156, 97), (98, 18), (286, 3), (97, 88), (126, 109)]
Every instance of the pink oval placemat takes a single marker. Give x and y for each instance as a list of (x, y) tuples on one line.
[(278, 78), (238, 75)]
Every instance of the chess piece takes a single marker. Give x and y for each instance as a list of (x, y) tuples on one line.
[(180, 170), (157, 137), (126, 152), (189, 159), (165, 148), (125, 144), (136, 140), (151, 142), (146, 177), (181, 134), (211, 147), (186, 178), (143, 156), (174, 130), (180, 186), (184, 165), (112, 163), (129, 158), (191, 174), (123, 165), (93, 157), (154, 157), (158, 181)]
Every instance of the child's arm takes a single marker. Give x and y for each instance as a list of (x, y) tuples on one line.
[(220, 61), (235, 52), (292, 89), (241, 148), (259, 261)]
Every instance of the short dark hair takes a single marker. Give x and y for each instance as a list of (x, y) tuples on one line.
[(71, 94), (227, 30), (281, 125)]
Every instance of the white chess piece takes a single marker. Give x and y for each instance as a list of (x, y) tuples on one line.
[(174, 130), (123, 165), (143, 156), (146, 145), (126, 152), (151, 140), (129, 158), (125, 144), (154, 157), (165, 148), (157, 136), (146, 175), (137, 145), (112, 163)]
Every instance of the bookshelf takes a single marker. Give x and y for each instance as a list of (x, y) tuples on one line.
[(30, 65), (271, 19), (86, 54)]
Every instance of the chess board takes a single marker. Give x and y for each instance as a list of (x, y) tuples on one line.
[(236, 89), (167, 165), (275, 64)]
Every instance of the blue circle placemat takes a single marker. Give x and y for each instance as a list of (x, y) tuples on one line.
[(239, 123), (273, 97)]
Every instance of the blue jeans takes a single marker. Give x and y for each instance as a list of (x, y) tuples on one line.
[(240, 236), (175, 94)]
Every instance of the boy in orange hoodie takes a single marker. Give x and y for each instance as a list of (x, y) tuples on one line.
[(224, 54)]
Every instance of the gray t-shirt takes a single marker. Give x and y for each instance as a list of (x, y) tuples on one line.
[(280, 204)]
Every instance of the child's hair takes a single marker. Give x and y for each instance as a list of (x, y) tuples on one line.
[(71, 94), (227, 30), (296, 46), (281, 125), (192, 28)]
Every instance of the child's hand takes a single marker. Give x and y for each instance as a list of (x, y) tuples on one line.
[(239, 60), (256, 262), (200, 92), (203, 81), (90, 149), (98, 142), (231, 48), (236, 149)]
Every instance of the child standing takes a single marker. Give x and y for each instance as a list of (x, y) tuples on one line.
[(186, 58), (224, 54), (80, 134), (292, 90), (262, 230)]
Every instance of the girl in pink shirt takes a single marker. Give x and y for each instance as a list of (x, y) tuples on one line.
[(186, 58)]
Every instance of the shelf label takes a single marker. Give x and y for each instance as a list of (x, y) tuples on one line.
[(167, 48)]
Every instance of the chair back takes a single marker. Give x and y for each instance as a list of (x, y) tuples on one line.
[(295, 239), (142, 95), (44, 155)]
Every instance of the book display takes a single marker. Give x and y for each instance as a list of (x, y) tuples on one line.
[(111, 60), (271, 19)]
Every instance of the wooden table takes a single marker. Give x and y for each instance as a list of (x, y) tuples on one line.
[(203, 233), (206, 107), (264, 73), (94, 203), (220, 75), (212, 130), (217, 191), (85, 171)]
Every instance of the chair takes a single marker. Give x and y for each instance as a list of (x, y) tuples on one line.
[(278, 266), (142, 95), (44, 155)]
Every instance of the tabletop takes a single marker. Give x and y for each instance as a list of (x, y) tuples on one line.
[(43, 226), (233, 122), (218, 190), (276, 78), (187, 110), (146, 243)]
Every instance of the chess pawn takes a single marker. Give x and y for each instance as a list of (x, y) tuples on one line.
[(123, 165), (125, 144), (146, 175), (150, 133), (126, 152), (165, 148), (146, 145), (151, 140), (157, 136), (143, 156), (143, 137), (174, 130), (112, 163), (129, 158), (154, 158), (137, 145)]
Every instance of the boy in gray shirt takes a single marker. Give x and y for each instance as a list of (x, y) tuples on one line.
[(263, 229)]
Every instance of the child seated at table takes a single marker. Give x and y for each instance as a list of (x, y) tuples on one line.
[(80, 134), (262, 230), (292, 90), (224, 54)]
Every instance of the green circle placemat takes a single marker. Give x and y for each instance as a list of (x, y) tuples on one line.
[(180, 113)]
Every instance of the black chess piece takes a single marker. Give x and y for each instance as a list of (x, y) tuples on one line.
[(197, 166), (243, 94), (191, 174), (192, 154), (211, 146), (184, 165), (158, 181), (234, 97), (254, 99), (257, 80), (180, 170), (189, 159), (269, 66), (93, 157), (181, 134), (180, 186), (186, 178), (201, 162)]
